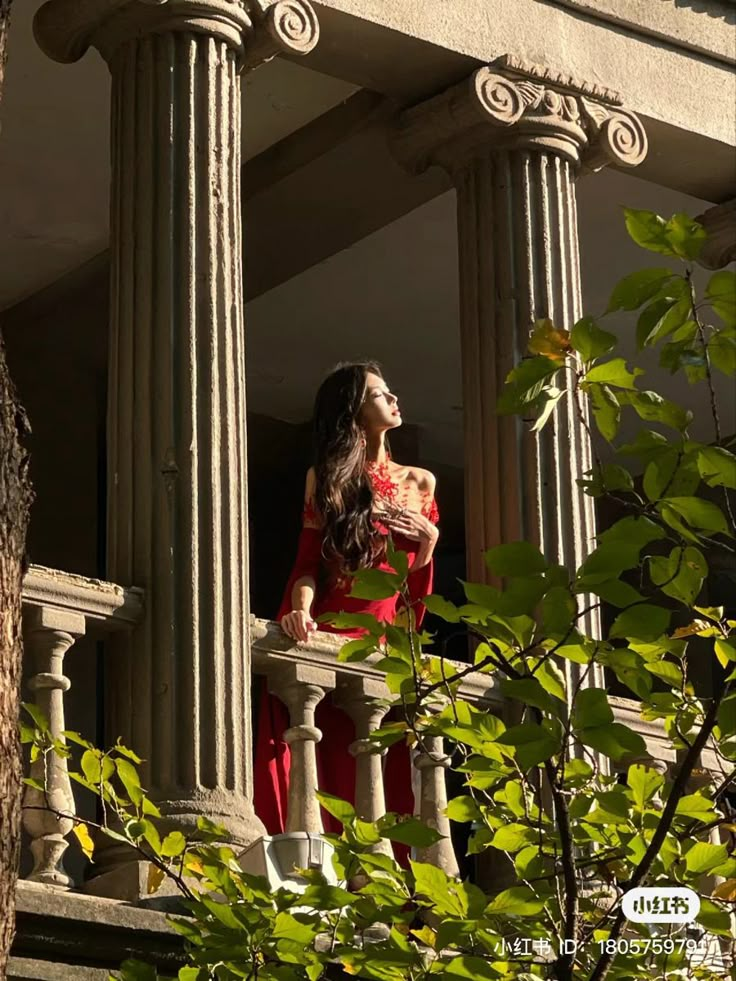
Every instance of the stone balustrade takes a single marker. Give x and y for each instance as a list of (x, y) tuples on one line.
[(59, 608)]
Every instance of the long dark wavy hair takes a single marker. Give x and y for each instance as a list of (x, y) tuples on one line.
[(344, 493)]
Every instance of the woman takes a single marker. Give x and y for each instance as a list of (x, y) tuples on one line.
[(355, 496)]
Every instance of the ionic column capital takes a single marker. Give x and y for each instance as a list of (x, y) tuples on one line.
[(255, 30), (511, 104)]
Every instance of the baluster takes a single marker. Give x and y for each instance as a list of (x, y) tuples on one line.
[(301, 688), (48, 635), (432, 761), (358, 697)]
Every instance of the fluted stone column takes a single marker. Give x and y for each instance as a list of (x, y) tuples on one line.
[(178, 689), (514, 137)]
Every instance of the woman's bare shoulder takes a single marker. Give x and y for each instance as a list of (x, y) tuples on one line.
[(426, 480)]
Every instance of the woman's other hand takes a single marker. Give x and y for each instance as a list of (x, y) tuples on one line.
[(412, 525), (298, 625)]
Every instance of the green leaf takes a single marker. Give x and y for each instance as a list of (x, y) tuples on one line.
[(647, 444), (699, 513), (132, 970), (529, 691), (129, 779), (589, 340), (357, 650), (715, 918), (673, 319), (515, 559), (636, 288), (551, 678), (516, 901), (609, 559), (659, 474), (411, 831), (521, 597), (558, 611), (703, 857), (591, 708), (653, 408), (694, 806), (722, 351), (616, 478), (39, 719), (727, 716), (613, 373), (338, 808), (351, 621), (644, 621), (685, 235), (648, 230), (525, 382), (717, 467), (721, 292), (669, 672), (533, 744), (613, 740), (442, 608), (545, 406), (467, 967), (463, 808), (173, 844), (287, 927), (374, 584), (680, 574), (606, 410), (725, 651), (650, 318), (513, 837), (636, 531)]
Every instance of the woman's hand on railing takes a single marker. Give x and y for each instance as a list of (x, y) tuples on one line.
[(298, 625)]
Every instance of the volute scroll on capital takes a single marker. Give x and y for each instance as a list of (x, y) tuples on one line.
[(512, 104), (256, 30)]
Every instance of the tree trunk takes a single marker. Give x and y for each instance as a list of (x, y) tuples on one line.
[(15, 498)]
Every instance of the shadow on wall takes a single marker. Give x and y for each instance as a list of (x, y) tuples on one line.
[(720, 12)]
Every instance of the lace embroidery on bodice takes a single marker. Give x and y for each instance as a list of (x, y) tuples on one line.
[(389, 494)]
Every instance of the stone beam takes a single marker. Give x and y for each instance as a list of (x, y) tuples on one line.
[(415, 49)]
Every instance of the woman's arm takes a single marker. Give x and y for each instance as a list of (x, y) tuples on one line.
[(295, 615)]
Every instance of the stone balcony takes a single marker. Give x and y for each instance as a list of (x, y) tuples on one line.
[(87, 931)]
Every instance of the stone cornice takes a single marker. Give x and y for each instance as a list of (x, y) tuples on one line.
[(254, 29), (512, 104)]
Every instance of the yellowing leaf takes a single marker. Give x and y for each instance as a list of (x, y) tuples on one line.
[(155, 878), (726, 890), (426, 935), (549, 341), (85, 839)]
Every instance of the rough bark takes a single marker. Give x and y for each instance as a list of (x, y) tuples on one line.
[(15, 500)]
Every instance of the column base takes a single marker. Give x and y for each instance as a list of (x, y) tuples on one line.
[(129, 883)]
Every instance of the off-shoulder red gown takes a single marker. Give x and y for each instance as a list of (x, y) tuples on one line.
[(335, 764)]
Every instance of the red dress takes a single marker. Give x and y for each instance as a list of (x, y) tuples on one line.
[(335, 764)]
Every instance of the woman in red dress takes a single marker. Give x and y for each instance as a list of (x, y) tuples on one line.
[(355, 495)]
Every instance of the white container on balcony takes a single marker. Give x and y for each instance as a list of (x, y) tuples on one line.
[(279, 857)]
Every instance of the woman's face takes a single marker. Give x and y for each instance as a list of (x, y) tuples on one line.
[(380, 409)]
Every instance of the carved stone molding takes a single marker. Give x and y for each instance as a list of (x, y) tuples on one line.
[(514, 105), (254, 30), (720, 247)]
